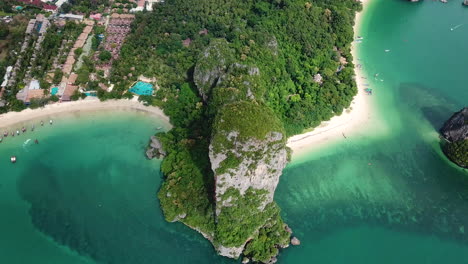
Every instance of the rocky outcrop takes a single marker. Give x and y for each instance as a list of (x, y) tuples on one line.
[(295, 241), (455, 131), (456, 128), (212, 63), (247, 154), (259, 164), (155, 149)]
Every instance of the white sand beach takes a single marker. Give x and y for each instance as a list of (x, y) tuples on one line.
[(344, 126), (92, 104)]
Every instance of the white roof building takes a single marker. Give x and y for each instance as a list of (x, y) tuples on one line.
[(71, 16), (34, 85), (59, 3), (6, 76), (149, 4)]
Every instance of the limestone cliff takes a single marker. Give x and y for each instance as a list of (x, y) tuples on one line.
[(212, 63), (247, 151), (247, 154)]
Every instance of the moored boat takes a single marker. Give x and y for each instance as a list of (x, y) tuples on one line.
[(13, 159)]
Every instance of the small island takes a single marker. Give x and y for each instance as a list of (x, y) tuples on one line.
[(455, 132)]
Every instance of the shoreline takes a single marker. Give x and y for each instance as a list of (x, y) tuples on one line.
[(11, 119), (350, 121)]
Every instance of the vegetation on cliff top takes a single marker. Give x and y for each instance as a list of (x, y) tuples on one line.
[(457, 152), (248, 119)]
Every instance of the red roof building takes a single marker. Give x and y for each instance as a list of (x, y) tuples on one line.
[(40, 4)]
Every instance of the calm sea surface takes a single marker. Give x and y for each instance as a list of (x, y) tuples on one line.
[(86, 194)]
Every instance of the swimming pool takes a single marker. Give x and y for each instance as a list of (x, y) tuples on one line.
[(142, 88), (91, 94), (54, 91)]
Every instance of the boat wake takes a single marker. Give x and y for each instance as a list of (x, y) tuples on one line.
[(25, 144), (455, 27)]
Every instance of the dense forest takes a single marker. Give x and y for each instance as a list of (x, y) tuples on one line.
[(287, 58), (309, 38)]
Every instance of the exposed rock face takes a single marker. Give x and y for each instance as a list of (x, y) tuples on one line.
[(213, 62), (246, 154), (260, 170), (155, 149), (247, 150), (295, 241), (456, 128)]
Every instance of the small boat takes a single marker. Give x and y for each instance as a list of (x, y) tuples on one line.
[(158, 128), (36, 141), (17, 132), (50, 121), (42, 123), (387, 50), (32, 128), (23, 129), (1, 139), (13, 159), (5, 134), (12, 134)]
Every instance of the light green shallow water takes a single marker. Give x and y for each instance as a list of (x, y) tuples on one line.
[(370, 199), (391, 198)]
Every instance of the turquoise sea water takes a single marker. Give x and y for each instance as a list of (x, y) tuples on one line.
[(393, 197), (86, 194)]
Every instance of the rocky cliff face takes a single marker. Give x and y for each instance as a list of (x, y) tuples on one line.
[(212, 63), (456, 128), (247, 154), (248, 148), (253, 163)]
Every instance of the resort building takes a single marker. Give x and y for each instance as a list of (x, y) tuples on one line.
[(59, 3), (40, 4), (31, 91), (79, 43), (34, 94), (69, 91), (38, 25), (6, 76), (142, 4), (149, 4), (117, 30), (72, 17)]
